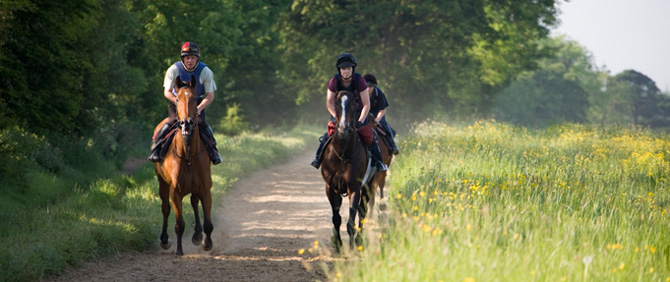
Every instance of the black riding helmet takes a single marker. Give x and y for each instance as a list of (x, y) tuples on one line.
[(345, 60), (370, 79)]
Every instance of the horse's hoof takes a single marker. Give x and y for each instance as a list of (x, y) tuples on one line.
[(166, 245), (336, 243), (179, 253), (197, 239), (208, 245)]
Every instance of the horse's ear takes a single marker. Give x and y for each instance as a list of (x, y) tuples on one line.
[(192, 82), (178, 83)]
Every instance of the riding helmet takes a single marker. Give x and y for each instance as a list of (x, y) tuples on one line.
[(370, 79), (190, 48), (345, 60)]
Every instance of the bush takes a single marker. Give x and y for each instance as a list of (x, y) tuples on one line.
[(234, 123)]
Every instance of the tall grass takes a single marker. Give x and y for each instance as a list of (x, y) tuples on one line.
[(43, 231), (495, 202)]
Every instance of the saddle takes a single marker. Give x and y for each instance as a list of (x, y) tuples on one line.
[(167, 140), (367, 134), (385, 137)]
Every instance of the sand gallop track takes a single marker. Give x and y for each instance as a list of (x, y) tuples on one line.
[(259, 228)]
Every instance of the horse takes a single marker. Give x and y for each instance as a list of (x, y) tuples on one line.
[(185, 169), (380, 177), (343, 169)]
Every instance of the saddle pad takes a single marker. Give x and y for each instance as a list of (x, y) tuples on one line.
[(366, 134), (331, 128), (380, 130)]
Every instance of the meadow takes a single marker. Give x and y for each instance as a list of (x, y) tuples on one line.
[(490, 201), (54, 221)]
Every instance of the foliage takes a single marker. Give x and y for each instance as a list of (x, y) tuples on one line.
[(490, 201), (647, 99), (233, 123), (449, 54), (560, 90), (542, 98)]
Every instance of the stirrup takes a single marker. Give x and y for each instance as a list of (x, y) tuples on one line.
[(316, 163), (155, 157), (381, 167)]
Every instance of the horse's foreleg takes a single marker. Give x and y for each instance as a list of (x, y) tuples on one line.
[(366, 196), (197, 235), (335, 204), (354, 204), (382, 183), (179, 220), (372, 187), (165, 208), (207, 211)]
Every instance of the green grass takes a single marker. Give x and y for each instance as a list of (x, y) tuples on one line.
[(53, 221), (495, 202)]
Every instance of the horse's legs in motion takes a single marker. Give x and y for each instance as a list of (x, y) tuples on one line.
[(197, 235), (179, 220), (335, 204), (207, 211), (354, 205), (165, 208), (367, 194)]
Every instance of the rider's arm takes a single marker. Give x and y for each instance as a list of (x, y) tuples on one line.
[(168, 84), (330, 102), (168, 94), (380, 115), (365, 100), (209, 97)]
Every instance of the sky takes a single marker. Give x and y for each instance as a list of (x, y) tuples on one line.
[(622, 34)]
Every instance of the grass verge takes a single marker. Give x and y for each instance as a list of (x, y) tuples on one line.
[(494, 202)]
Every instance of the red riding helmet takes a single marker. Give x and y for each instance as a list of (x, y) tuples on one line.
[(190, 48)]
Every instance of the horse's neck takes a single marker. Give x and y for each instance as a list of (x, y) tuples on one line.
[(348, 148)]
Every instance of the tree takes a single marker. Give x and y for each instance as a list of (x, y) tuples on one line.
[(646, 98), (431, 56), (558, 91)]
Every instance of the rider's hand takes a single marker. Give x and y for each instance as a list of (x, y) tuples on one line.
[(359, 124)]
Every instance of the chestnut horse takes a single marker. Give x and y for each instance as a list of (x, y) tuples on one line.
[(185, 169), (343, 168), (380, 177)]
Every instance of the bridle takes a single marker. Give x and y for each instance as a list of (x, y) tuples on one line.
[(186, 127)]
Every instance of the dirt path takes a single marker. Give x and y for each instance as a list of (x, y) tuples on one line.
[(259, 228)]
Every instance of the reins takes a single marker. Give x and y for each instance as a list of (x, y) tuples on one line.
[(188, 158), (344, 160)]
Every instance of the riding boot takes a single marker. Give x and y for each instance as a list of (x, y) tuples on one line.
[(377, 156), (316, 162), (211, 145), (391, 138), (156, 144)]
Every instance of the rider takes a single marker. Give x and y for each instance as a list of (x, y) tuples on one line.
[(378, 104), (205, 86), (347, 79)]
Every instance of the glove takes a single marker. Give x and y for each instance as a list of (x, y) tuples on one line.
[(359, 124)]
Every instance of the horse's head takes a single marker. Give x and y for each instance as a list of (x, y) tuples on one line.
[(345, 108), (186, 108)]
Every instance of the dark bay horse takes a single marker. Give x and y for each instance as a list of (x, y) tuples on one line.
[(186, 170), (379, 180), (343, 168)]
